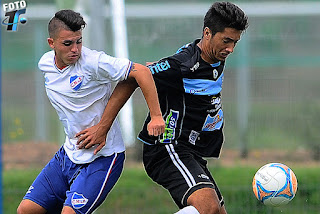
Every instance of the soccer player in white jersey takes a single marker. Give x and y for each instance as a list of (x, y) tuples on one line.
[(78, 84)]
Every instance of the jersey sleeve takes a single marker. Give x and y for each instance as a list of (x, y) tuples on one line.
[(112, 68), (46, 62), (166, 74)]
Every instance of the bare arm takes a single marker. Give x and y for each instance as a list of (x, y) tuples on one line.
[(144, 78), (139, 76)]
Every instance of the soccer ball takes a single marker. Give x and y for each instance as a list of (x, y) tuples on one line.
[(274, 184)]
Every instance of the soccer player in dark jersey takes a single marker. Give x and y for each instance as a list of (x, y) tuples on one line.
[(189, 85)]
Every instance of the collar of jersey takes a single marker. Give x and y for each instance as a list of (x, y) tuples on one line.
[(61, 70), (216, 64)]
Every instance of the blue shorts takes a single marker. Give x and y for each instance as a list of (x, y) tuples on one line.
[(80, 186)]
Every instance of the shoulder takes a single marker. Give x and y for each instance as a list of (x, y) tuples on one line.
[(187, 56), (88, 54), (89, 59), (172, 62), (47, 60), (187, 52)]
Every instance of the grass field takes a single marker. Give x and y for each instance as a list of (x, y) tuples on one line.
[(136, 193)]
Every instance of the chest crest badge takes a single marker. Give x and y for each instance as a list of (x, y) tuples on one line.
[(215, 74), (76, 82)]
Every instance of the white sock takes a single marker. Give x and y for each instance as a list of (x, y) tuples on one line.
[(188, 210)]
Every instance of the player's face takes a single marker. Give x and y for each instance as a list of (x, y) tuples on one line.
[(67, 46), (218, 47)]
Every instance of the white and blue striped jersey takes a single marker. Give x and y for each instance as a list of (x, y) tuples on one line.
[(79, 93)]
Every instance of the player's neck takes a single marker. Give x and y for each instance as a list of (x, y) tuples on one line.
[(204, 53), (61, 67)]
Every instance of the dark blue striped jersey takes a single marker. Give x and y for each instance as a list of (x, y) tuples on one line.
[(189, 92)]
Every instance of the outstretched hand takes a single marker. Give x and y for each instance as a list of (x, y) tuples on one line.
[(89, 137)]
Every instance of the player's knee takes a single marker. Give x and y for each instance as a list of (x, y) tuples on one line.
[(29, 207), (21, 209), (205, 201), (67, 210), (212, 209), (207, 209)]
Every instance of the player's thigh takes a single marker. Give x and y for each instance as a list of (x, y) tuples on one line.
[(49, 187), (176, 170), (94, 182), (29, 207)]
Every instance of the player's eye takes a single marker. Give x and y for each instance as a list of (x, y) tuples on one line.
[(79, 41), (67, 43)]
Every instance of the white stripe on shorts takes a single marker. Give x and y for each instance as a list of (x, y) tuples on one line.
[(181, 167), (104, 182)]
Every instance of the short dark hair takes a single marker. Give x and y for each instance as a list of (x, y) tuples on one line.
[(65, 19), (225, 14)]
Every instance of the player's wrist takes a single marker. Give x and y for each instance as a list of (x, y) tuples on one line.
[(104, 125), (156, 116)]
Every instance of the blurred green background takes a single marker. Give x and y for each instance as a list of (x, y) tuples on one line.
[(271, 94)]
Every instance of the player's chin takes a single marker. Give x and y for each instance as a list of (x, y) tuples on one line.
[(222, 57), (73, 60)]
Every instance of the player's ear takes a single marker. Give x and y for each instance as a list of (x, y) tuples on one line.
[(207, 32), (50, 42)]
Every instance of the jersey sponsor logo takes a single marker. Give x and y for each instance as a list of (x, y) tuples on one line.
[(216, 102), (78, 200), (196, 91), (76, 82), (171, 124), (213, 123), (195, 67), (193, 137), (159, 67)]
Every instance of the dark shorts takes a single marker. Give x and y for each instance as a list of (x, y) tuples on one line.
[(81, 186), (178, 170)]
